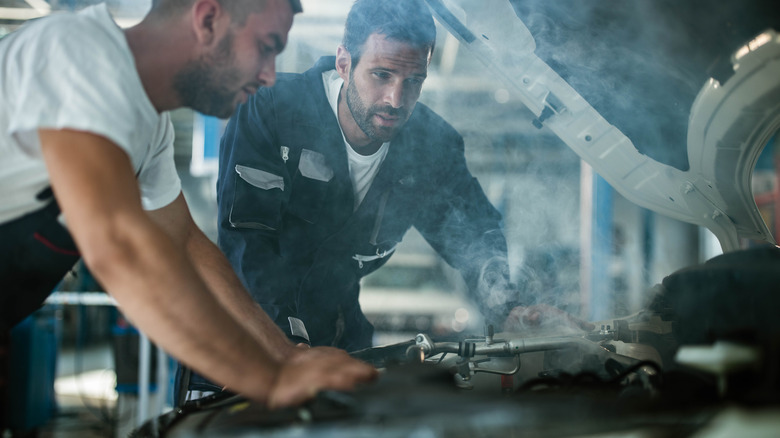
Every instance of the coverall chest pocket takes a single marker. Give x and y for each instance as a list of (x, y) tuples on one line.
[(257, 199), (310, 186)]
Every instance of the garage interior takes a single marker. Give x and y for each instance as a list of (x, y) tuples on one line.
[(592, 252)]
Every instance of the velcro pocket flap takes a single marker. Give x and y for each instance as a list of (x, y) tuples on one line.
[(260, 178), (312, 165)]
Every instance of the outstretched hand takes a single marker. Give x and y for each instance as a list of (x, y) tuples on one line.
[(543, 316), (313, 370)]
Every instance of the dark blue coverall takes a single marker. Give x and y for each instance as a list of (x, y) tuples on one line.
[(286, 219)]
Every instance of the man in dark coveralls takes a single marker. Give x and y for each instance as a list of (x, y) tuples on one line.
[(322, 175)]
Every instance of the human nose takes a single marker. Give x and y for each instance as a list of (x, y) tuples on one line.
[(267, 75), (394, 95)]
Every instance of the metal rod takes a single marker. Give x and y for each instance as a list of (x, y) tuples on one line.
[(143, 378)]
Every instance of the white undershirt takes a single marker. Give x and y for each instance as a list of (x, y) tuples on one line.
[(362, 168)]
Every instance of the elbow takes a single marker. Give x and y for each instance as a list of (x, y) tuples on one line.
[(103, 256), (110, 250)]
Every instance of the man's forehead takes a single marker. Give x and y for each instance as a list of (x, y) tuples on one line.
[(379, 49)]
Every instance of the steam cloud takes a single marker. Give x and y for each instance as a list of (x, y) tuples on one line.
[(640, 63)]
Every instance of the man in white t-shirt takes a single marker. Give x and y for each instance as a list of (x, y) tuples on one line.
[(86, 152)]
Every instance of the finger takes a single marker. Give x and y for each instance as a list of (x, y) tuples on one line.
[(299, 382), (585, 325), (291, 397), (532, 317), (353, 370), (297, 394), (580, 323), (318, 353)]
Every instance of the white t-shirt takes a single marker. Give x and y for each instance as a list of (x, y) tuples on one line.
[(76, 71), (362, 168)]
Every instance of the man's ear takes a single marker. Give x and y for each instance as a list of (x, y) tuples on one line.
[(343, 63), (205, 14)]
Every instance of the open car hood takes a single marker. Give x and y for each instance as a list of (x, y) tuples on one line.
[(729, 124)]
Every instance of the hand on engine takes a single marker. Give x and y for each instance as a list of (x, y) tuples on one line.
[(316, 369), (543, 316)]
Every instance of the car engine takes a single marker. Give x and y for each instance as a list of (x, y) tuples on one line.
[(705, 351)]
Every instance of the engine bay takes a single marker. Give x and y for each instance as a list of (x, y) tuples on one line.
[(704, 351)]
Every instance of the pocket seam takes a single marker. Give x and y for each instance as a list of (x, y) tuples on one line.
[(312, 165), (260, 178)]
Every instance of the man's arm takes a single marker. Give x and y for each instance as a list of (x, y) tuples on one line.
[(465, 229), (155, 283), (214, 268)]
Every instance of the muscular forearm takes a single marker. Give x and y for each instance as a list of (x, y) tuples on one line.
[(159, 291), (221, 279), (141, 264)]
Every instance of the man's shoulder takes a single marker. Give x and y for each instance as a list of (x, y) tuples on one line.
[(309, 79), (92, 27), (86, 44), (299, 96), (288, 82), (426, 122)]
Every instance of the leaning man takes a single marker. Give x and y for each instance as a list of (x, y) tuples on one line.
[(322, 175)]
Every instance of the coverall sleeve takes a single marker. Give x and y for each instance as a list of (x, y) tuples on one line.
[(466, 230)]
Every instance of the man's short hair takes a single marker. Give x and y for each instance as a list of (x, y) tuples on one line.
[(238, 9), (407, 21)]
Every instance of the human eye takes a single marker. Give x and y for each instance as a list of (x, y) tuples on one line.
[(265, 47), (266, 50), (383, 75)]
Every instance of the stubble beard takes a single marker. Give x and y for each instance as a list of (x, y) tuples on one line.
[(204, 84), (363, 116)]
